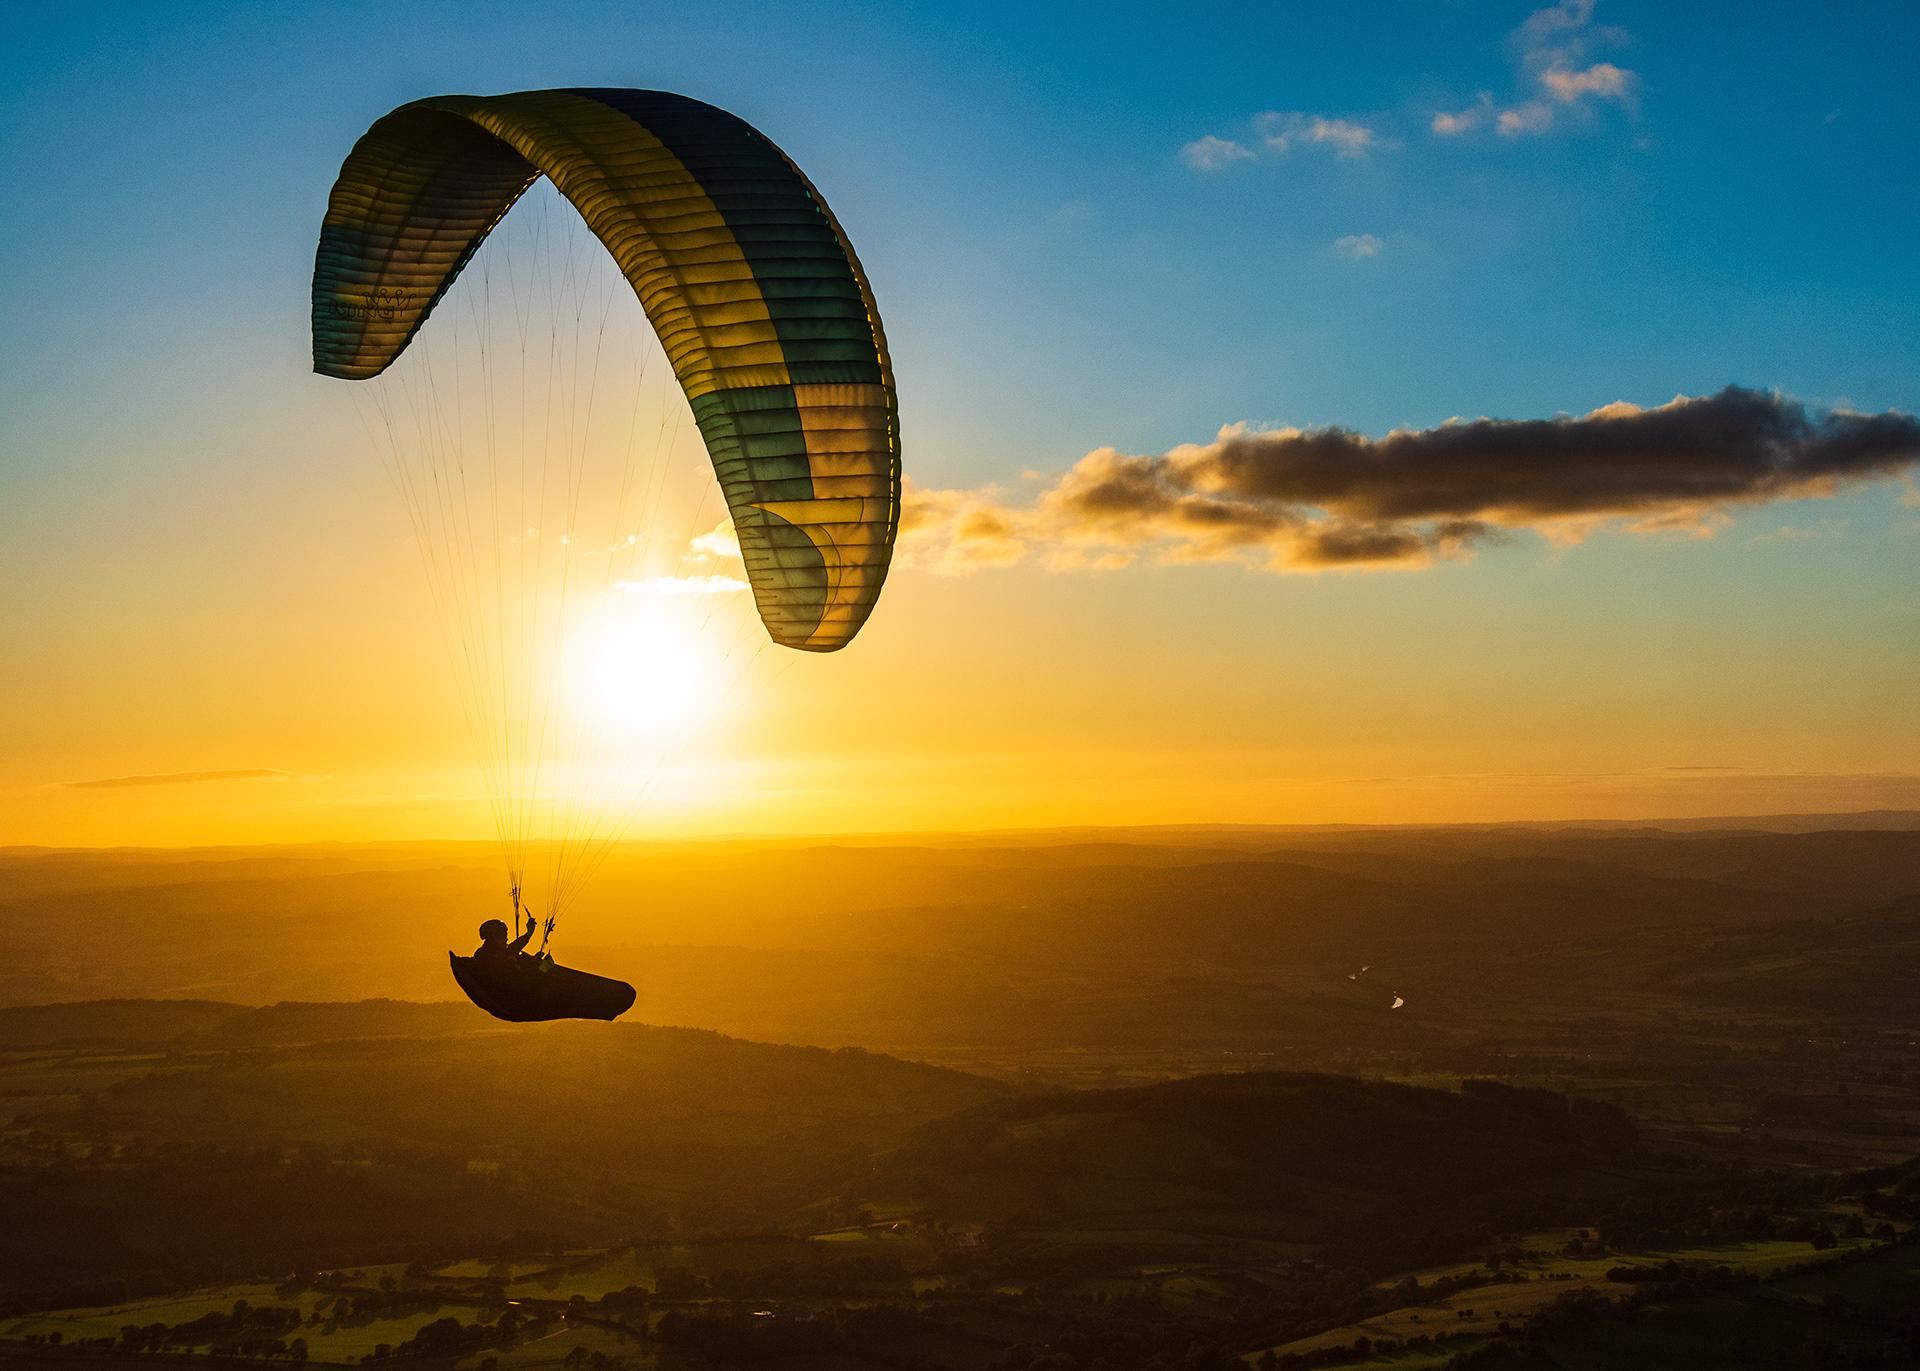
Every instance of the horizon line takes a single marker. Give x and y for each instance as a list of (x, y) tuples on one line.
[(1909, 820)]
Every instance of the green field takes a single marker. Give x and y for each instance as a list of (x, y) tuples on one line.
[(1480, 1310), (108, 1320)]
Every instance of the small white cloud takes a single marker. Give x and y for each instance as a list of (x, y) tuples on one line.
[(1345, 137), (1603, 79), (1556, 71), (1211, 153), (717, 544), (1536, 116), (1276, 133), (1540, 27), (1466, 120), (1355, 246)]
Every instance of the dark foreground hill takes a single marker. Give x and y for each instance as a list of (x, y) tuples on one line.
[(388, 1073), (671, 1107), (1286, 1157), (306, 1135)]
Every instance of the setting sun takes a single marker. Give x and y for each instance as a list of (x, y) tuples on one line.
[(648, 666)]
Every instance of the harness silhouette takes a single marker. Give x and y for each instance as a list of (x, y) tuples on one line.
[(510, 985), (524, 989)]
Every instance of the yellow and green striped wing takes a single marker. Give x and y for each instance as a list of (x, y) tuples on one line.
[(740, 266)]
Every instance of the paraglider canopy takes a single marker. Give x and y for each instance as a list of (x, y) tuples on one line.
[(747, 278)]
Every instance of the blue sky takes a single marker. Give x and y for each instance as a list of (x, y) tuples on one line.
[(1731, 201), (1014, 179)]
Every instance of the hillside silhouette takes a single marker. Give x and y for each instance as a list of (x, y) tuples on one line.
[(302, 1135), (1284, 1156)]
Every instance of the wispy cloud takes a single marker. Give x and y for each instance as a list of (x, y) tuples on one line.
[(1355, 246), (1276, 133), (1476, 115), (1559, 78), (1535, 116), (718, 544), (1788, 533), (683, 587), (1211, 153), (1556, 75), (1343, 137), (958, 530), (1292, 500), (177, 778), (1602, 79)]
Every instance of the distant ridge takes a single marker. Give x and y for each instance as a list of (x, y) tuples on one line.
[(117, 1023), (1228, 941), (1862, 820), (200, 1025)]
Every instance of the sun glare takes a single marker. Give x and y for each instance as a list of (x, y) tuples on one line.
[(645, 668)]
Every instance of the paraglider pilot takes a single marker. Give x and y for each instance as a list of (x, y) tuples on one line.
[(494, 947)]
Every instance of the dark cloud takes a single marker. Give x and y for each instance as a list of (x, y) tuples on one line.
[(1305, 499), (176, 778), (1737, 446), (1345, 544)]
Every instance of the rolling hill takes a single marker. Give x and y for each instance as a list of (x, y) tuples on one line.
[(300, 1135), (1279, 1156)]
